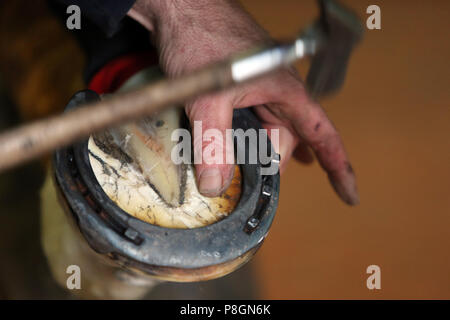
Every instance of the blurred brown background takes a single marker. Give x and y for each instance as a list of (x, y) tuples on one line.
[(393, 114)]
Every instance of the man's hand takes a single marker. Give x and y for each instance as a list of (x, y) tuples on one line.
[(192, 33)]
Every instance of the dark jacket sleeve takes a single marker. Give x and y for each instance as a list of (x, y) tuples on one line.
[(106, 14), (106, 32)]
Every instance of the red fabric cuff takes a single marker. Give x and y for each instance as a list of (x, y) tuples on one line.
[(109, 78)]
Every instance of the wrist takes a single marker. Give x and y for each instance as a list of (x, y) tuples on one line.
[(192, 33), (147, 13)]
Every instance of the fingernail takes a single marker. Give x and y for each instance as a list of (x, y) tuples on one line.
[(347, 191), (210, 182), (227, 181), (283, 150), (353, 197)]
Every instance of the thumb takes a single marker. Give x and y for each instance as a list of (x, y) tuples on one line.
[(210, 117)]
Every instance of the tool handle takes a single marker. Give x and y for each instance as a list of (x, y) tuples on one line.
[(33, 140), (36, 139)]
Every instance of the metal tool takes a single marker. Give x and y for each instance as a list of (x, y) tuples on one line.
[(329, 41)]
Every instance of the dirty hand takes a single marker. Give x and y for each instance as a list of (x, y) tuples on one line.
[(192, 33)]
